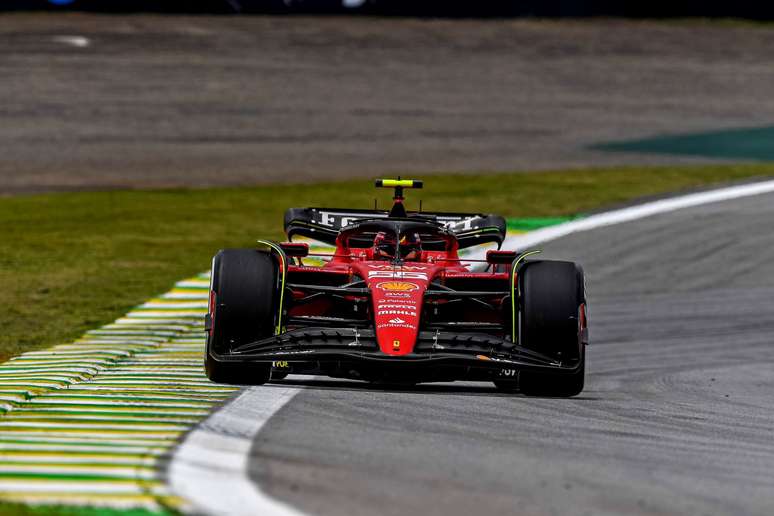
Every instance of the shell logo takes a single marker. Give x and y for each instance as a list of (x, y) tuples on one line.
[(397, 286)]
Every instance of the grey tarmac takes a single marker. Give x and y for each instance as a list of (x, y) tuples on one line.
[(676, 418), (96, 102)]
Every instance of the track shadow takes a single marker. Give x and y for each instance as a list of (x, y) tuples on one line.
[(457, 389)]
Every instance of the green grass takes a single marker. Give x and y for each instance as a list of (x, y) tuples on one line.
[(74, 261)]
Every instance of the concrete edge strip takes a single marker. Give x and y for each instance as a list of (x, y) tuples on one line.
[(225, 438), (209, 469)]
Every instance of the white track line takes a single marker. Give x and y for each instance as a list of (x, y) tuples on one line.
[(74, 41), (523, 241), (209, 468)]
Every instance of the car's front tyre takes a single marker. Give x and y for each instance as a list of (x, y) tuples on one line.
[(552, 319), (243, 308)]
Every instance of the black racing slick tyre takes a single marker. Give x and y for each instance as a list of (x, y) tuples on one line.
[(244, 294), (552, 319)]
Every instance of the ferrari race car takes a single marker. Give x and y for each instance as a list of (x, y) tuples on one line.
[(395, 303)]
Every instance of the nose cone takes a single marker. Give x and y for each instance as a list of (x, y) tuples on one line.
[(396, 293), (397, 306)]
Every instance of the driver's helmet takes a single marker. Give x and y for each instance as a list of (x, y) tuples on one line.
[(410, 247), (384, 246)]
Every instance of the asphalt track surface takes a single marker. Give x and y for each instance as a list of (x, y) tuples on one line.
[(677, 415), (95, 102)]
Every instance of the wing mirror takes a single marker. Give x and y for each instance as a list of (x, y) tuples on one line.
[(295, 249), (495, 257)]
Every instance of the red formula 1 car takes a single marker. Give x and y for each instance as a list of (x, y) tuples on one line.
[(395, 303)]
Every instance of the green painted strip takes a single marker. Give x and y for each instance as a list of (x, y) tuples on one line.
[(23, 475), (94, 431), (747, 143), (76, 453), (112, 409), (6, 384), (183, 390), (58, 359), (107, 471), (66, 442), (150, 400), (150, 372), (149, 379), (149, 395), (52, 370), (163, 362), (62, 510), (533, 223), (76, 417)]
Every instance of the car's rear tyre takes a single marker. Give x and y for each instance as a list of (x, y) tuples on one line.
[(551, 295), (244, 303)]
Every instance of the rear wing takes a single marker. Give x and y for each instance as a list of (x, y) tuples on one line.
[(324, 224)]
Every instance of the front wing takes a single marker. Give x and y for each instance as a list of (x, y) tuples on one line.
[(354, 353)]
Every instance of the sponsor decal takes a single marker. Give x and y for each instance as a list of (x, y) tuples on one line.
[(398, 275), (397, 306), (397, 312), (280, 365), (397, 286), (396, 294), (508, 372), (339, 219), (458, 224), (379, 266), (397, 320), (396, 325), (396, 345)]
